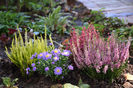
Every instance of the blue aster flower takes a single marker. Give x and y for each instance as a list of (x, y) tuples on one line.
[(27, 70), (56, 52), (58, 71), (33, 64), (47, 56), (46, 68), (56, 58), (40, 56), (33, 56), (66, 53), (34, 69)]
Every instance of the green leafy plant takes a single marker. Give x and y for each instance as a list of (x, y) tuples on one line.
[(98, 27), (95, 16), (21, 50), (124, 32), (10, 20), (102, 23), (36, 6), (8, 83), (82, 85), (55, 22), (54, 64), (42, 6)]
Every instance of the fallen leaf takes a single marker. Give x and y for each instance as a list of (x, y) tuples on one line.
[(128, 76)]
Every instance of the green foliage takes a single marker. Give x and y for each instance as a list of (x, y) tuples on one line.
[(109, 76), (95, 16), (113, 23), (98, 27), (32, 5), (22, 51), (103, 23), (8, 83), (124, 32), (82, 85), (11, 20), (55, 22), (41, 6)]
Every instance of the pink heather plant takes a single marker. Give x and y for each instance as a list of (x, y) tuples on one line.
[(97, 55)]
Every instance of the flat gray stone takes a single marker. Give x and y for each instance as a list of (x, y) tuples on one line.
[(118, 15), (0, 58), (112, 8), (130, 19)]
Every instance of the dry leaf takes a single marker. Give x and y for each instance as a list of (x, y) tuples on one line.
[(128, 76)]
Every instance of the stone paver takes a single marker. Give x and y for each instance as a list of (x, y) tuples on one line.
[(114, 8)]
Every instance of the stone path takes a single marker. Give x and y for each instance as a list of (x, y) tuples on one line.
[(112, 8)]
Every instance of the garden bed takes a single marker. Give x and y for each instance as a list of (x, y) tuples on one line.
[(40, 81), (8, 69)]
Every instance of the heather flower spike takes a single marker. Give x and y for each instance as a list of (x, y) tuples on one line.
[(105, 69)]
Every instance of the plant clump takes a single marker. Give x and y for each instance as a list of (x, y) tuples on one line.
[(99, 58), (23, 49), (54, 64)]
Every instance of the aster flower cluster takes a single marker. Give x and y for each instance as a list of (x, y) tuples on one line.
[(94, 52), (54, 64)]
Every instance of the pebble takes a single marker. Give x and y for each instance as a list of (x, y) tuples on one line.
[(127, 85), (0, 58)]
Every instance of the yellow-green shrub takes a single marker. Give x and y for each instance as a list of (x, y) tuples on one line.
[(21, 51)]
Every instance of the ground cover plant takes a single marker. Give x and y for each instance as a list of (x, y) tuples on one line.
[(8, 83), (33, 6), (99, 58), (10, 20), (98, 17), (105, 25), (54, 64)]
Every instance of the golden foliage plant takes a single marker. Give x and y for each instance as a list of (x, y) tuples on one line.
[(21, 51)]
